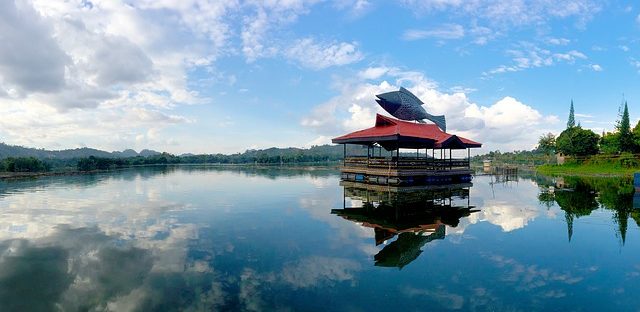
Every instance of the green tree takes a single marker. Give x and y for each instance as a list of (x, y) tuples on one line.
[(547, 143), (576, 141), (610, 143), (625, 138), (572, 119), (636, 136)]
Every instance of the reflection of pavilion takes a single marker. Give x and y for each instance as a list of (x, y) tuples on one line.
[(416, 215)]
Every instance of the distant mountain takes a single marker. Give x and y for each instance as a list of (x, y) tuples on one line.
[(19, 151), (125, 154), (147, 153)]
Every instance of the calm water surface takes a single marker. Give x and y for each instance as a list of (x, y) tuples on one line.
[(246, 239)]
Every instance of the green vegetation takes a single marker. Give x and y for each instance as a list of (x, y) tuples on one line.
[(625, 137), (62, 161), (590, 154), (571, 122), (315, 154), (532, 158), (586, 153), (23, 164), (624, 165), (576, 141)]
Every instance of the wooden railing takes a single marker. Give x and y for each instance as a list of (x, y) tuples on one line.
[(405, 163)]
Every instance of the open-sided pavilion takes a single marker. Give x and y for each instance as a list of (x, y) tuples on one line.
[(414, 153)]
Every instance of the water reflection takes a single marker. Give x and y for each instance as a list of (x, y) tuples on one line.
[(252, 239), (416, 215), (581, 196)]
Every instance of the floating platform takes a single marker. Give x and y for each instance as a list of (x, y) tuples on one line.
[(406, 171)]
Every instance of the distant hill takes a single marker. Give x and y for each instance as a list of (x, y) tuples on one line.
[(274, 155), (19, 151)]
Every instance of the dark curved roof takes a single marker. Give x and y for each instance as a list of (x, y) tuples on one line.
[(391, 133)]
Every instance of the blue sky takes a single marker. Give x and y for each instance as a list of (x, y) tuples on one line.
[(223, 76)]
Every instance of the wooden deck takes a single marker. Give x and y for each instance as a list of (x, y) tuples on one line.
[(406, 171), (405, 163)]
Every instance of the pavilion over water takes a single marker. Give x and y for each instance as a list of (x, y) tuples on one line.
[(414, 154)]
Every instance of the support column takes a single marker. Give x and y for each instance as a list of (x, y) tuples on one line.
[(344, 155), (397, 153), (368, 154)]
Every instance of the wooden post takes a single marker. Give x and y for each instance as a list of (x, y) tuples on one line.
[(468, 157), (344, 155), (368, 148), (397, 153)]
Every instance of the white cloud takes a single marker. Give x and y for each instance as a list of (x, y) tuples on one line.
[(30, 58), (635, 63), (558, 41), (269, 16), (482, 35), (507, 124), (104, 72), (372, 73), (570, 56), (316, 55), (355, 7), (596, 67), (447, 31), (513, 12), (527, 55)]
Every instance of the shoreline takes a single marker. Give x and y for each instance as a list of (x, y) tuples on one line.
[(585, 170), (24, 175)]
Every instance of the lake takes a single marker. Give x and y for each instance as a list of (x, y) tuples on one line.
[(206, 238)]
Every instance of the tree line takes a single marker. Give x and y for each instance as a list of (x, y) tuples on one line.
[(577, 141), (23, 164), (315, 154)]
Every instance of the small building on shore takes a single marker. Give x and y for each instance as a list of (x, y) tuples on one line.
[(407, 153)]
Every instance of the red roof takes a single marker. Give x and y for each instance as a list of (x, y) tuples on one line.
[(393, 133)]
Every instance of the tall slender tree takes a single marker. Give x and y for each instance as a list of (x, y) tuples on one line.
[(572, 119), (624, 131)]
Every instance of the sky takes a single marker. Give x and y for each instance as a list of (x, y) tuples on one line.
[(213, 76)]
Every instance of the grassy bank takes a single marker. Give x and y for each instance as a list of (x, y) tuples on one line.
[(587, 169)]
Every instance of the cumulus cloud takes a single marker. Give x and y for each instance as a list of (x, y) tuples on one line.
[(30, 58), (120, 62), (507, 124), (71, 72)]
